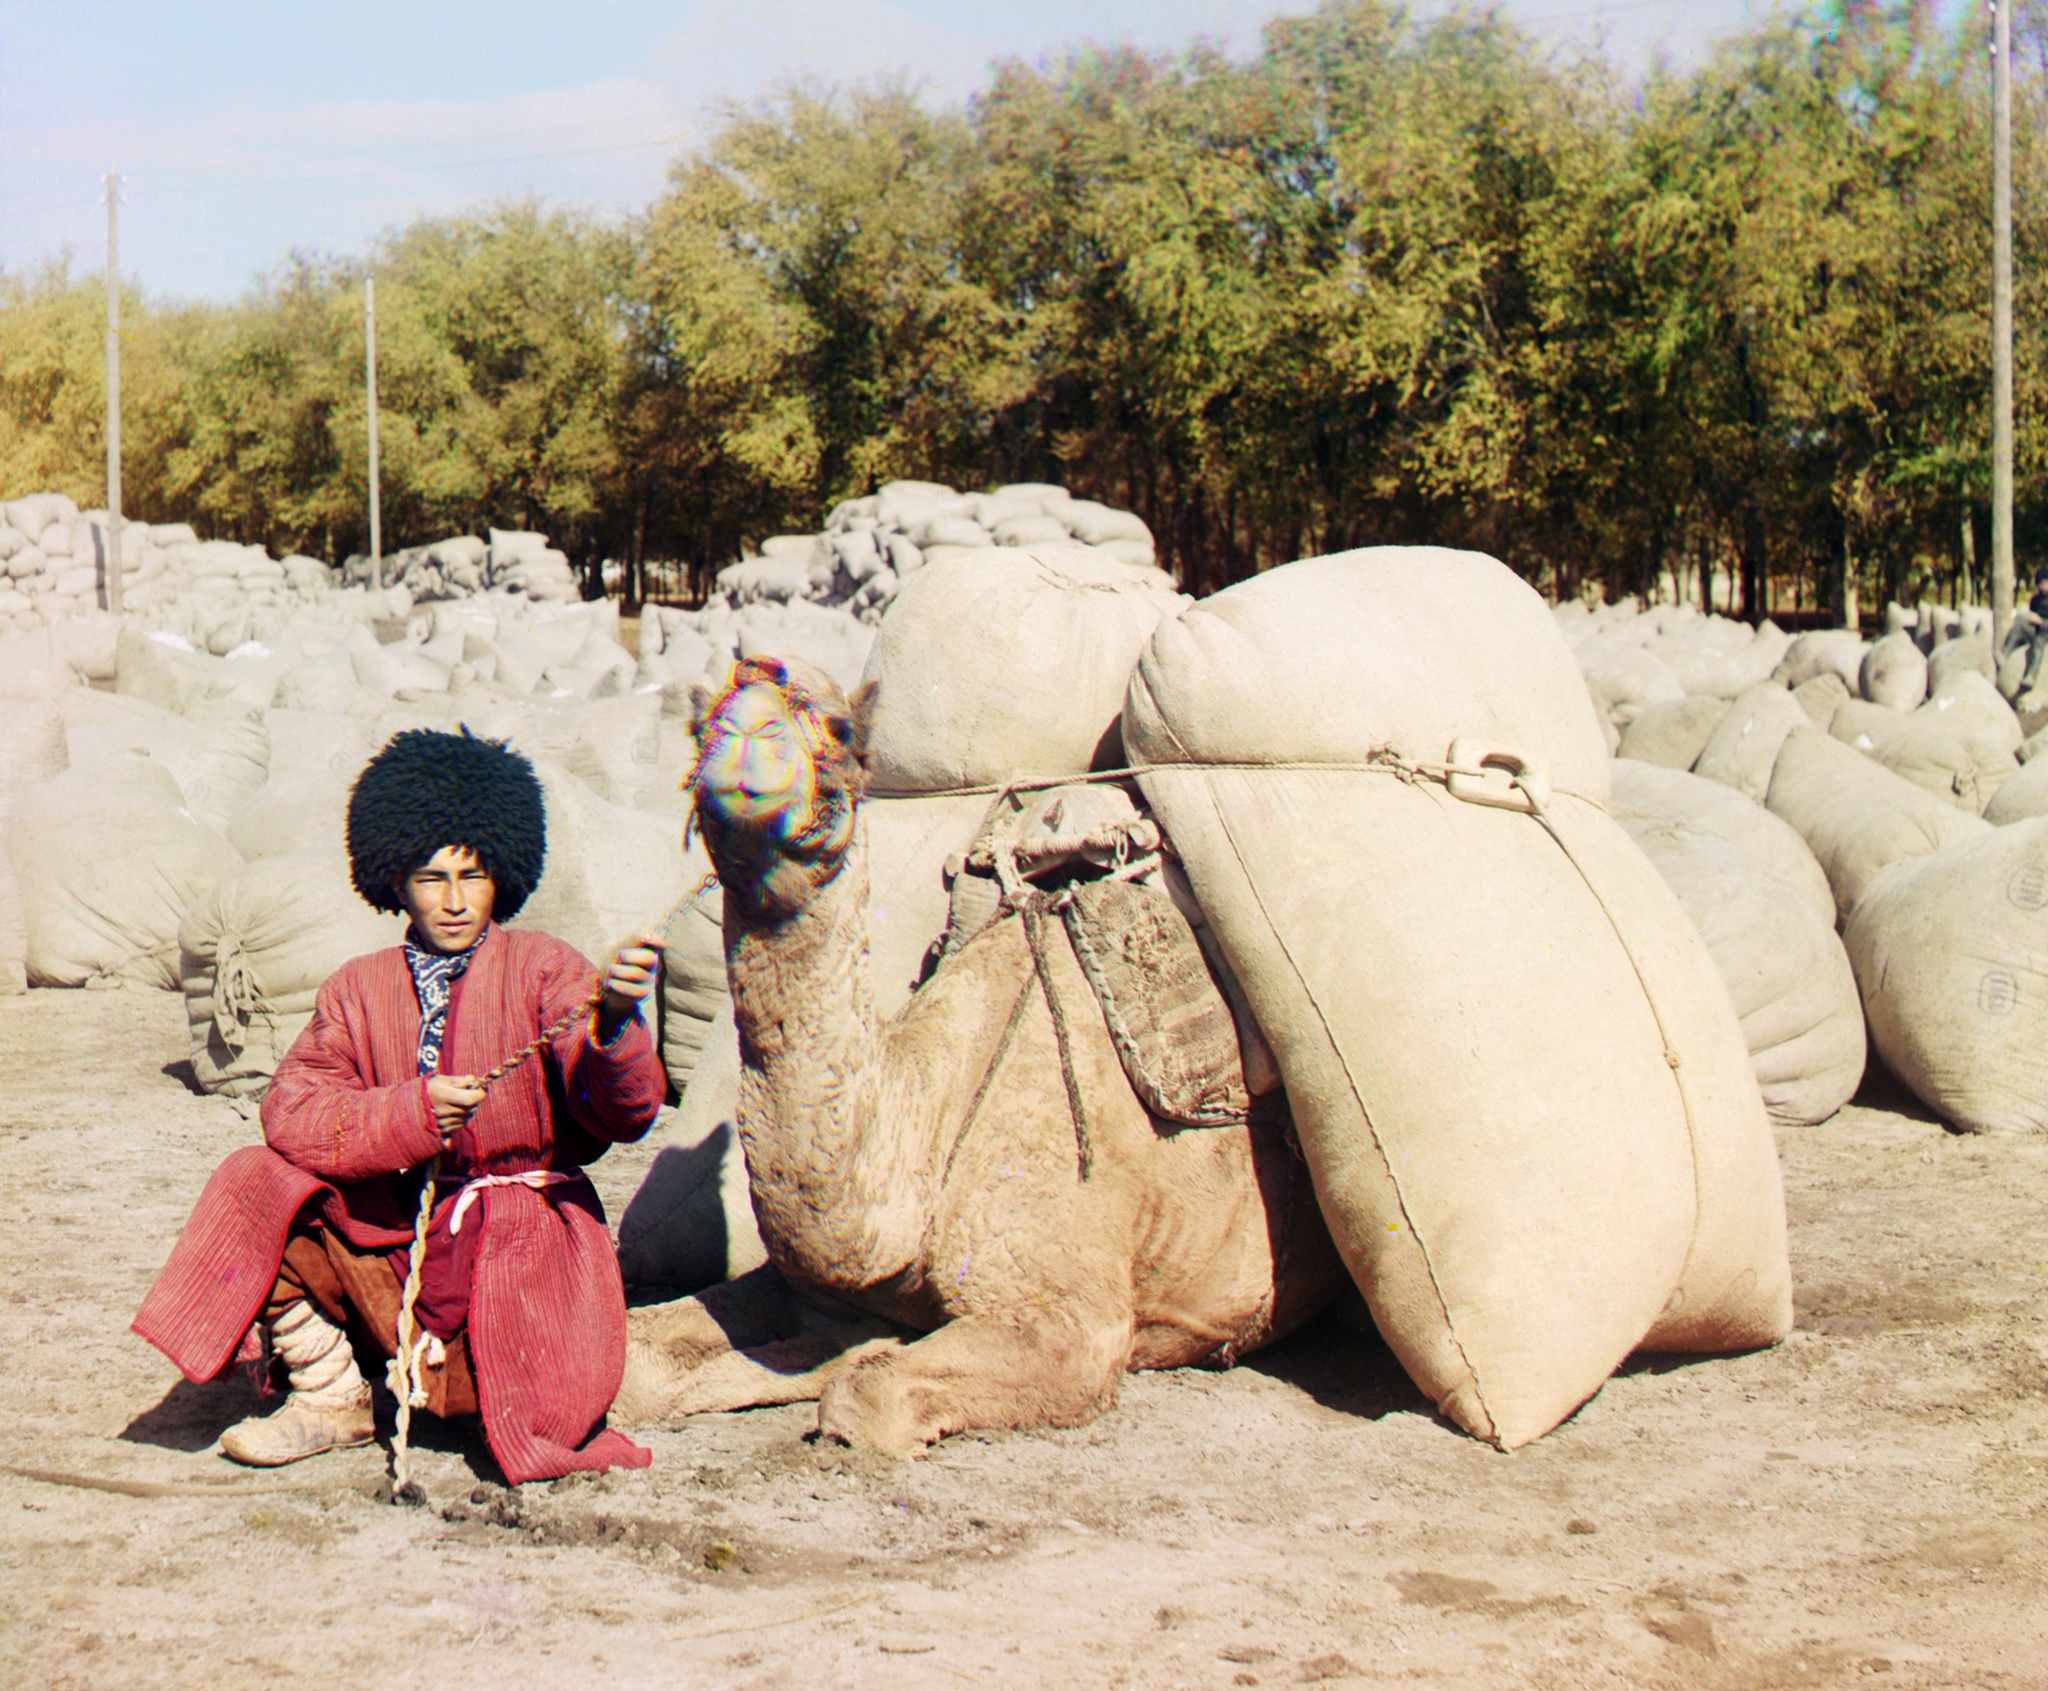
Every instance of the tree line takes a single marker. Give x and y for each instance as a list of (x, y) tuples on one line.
[(1389, 279)]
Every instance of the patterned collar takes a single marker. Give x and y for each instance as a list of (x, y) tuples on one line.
[(434, 974)]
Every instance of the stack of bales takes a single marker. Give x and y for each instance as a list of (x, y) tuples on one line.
[(1908, 766), (512, 561), (820, 596)]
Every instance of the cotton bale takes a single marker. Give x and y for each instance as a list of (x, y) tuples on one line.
[(1857, 817), (13, 926), (1642, 792), (610, 871), (34, 750), (1819, 652), (1743, 748), (1033, 530), (292, 812), (1628, 677), (1821, 697), (693, 985), (1952, 954), (1894, 673), (1923, 749), (1096, 524), (253, 952), (1716, 658), (2022, 797), (1969, 653), (617, 749), (1521, 1206), (1673, 733), (109, 858), (1787, 975), (31, 667), (832, 640)]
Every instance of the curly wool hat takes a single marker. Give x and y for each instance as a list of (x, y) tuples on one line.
[(426, 790)]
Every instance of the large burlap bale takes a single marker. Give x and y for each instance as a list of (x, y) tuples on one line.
[(616, 747), (1673, 734), (162, 668), (1968, 705), (31, 667), (1970, 654), (1643, 792), (1821, 698), (1856, 816), (1786, 973), (303, 740), (610, 871), (1921, 749), (2024, 795), (1952, 956), (693, 989), (1894, 673), (1627, 676), (13, 928), (109, 858), (34, 749), (1715, 657), (222, 767), (1516, 1076), (1005, 666), (254, 950), (1819, 652), (289, 813), (1743, 748)]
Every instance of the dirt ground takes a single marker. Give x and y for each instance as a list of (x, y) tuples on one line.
[(1863, 1506)]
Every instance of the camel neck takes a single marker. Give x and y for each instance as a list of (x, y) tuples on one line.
[(833, 1197)]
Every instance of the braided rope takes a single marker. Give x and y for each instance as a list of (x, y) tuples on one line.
[(403, 1374)]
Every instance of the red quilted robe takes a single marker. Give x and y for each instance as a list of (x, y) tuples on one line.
[(347, 1114)]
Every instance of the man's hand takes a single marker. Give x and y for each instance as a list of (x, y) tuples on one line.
[(454, 1097), (628, 982)]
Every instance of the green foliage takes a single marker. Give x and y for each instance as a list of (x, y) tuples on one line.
[(1388, 279)]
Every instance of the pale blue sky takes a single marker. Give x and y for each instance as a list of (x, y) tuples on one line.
[(246, 129)]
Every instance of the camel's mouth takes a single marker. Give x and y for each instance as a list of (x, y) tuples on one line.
[(770, 777)]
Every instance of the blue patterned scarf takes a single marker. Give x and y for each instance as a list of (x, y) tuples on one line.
[(434, 974)]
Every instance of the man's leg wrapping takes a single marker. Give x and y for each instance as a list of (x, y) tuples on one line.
[(329, 1405)]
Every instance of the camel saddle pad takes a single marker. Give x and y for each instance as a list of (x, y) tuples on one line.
[(1167, 1017)]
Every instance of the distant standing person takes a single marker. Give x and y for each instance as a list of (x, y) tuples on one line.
[(298, 1247)]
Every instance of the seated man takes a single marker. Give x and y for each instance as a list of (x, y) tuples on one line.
[(2030, 628), (305, 1238)]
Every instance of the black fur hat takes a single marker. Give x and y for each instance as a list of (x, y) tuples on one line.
[(426, 790)]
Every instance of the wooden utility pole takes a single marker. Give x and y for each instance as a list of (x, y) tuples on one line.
[(114, 392), (370, 363), (2001, 322)]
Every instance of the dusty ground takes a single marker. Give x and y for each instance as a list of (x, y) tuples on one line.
[(1861, 1507)]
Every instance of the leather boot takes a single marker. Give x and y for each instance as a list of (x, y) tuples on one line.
[(329, 1405)]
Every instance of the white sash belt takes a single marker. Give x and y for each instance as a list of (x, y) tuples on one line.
[(537, 1178)]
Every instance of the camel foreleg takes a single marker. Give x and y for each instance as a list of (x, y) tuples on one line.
[(742, 1345), (1037, 1367)]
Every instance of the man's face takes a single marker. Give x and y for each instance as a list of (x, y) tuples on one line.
[(449, 899)]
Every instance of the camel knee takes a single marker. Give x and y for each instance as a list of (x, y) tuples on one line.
[(976, 1373)]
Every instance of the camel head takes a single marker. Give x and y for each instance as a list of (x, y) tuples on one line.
[(777, 780)]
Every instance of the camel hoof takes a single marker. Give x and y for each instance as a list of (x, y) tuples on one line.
[(866, 1408)]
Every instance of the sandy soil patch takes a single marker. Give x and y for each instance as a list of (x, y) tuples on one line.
[(1863, 1506)]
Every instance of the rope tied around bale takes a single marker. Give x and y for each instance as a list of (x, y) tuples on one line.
[(403, 1374)]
